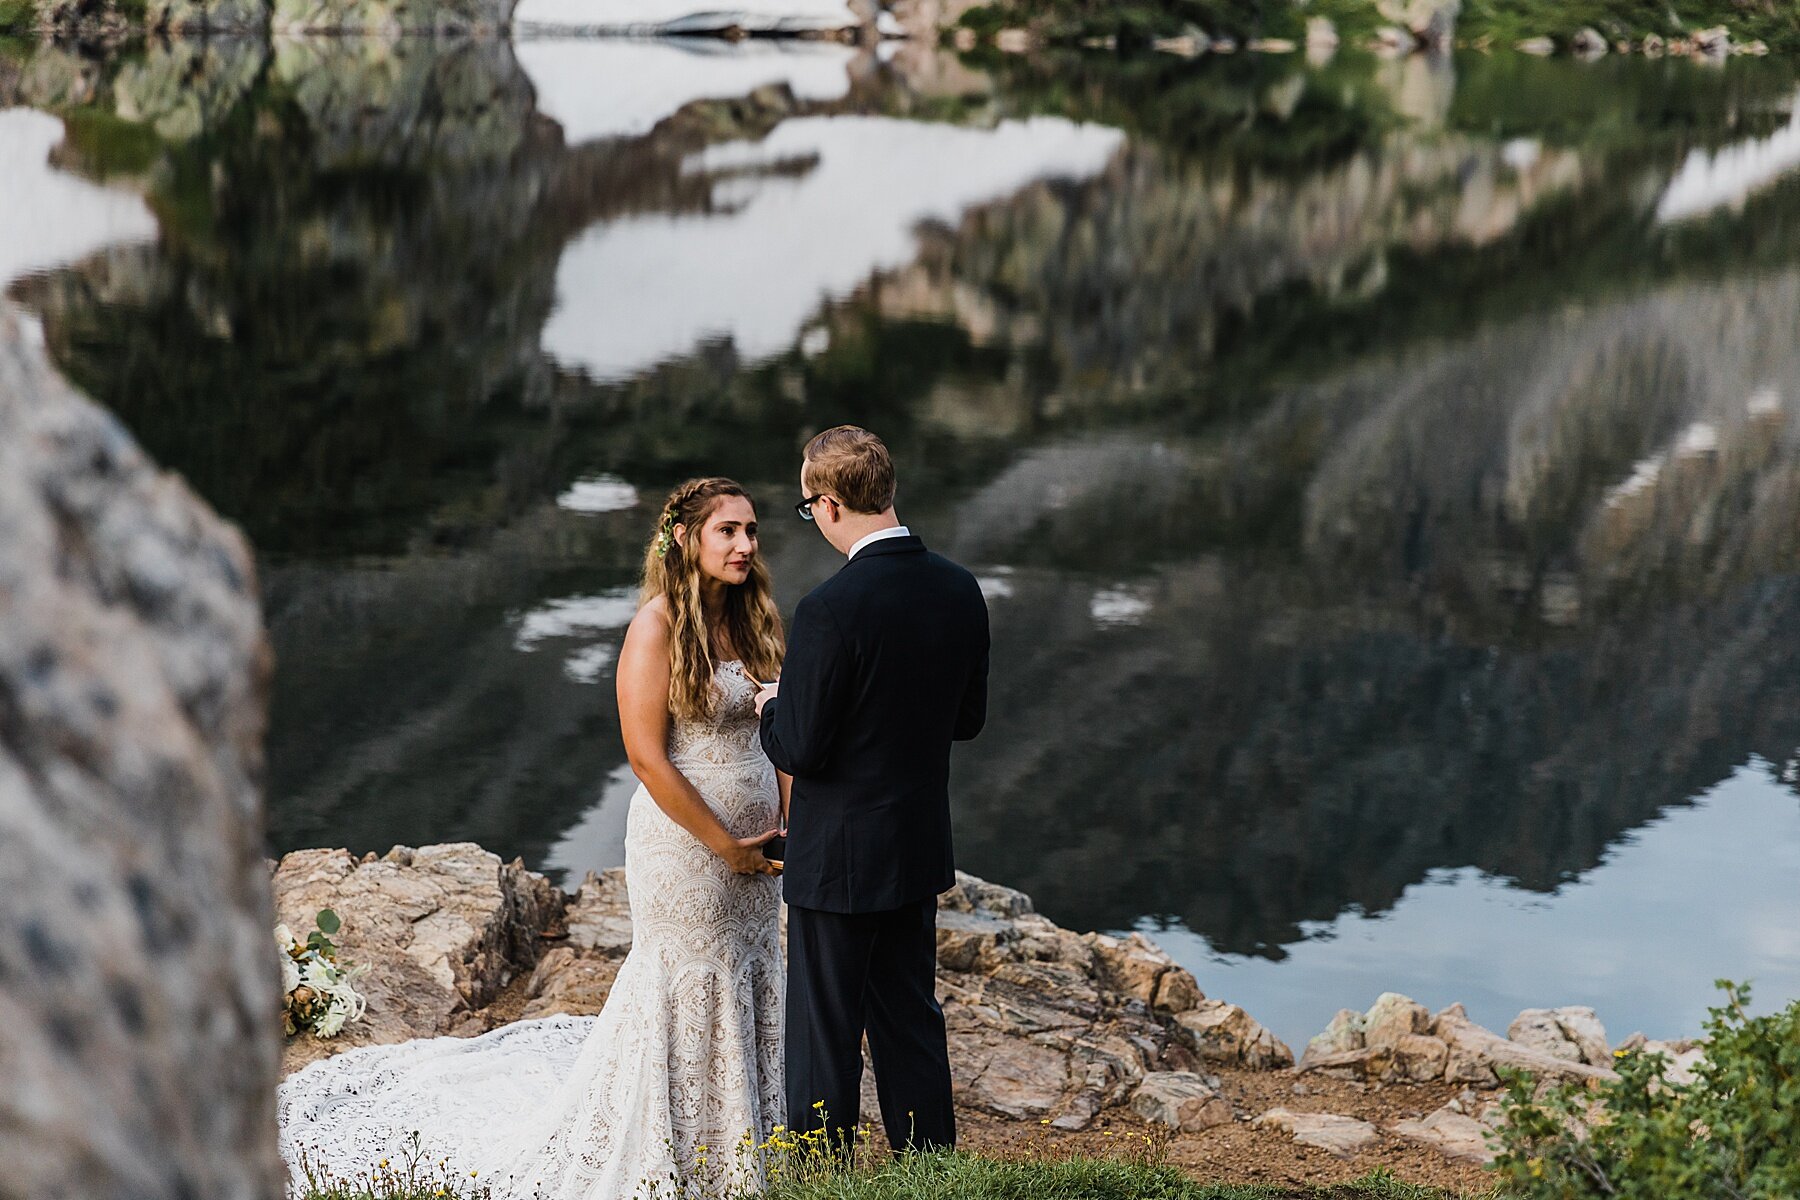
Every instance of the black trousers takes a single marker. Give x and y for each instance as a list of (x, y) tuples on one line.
[(851, 973)]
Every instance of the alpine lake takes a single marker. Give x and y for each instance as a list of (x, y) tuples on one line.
[(1384, 474)]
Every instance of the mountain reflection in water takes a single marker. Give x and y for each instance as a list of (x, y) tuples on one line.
[(1388, 508)]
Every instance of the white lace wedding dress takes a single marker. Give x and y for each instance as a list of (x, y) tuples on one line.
[(664, 1090)]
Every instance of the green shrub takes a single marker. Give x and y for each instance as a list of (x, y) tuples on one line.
[(1732, 1134)]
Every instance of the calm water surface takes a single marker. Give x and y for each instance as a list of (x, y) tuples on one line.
[(1385, 476)]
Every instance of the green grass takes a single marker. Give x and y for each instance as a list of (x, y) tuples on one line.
[(17, 15), (968, 1177)]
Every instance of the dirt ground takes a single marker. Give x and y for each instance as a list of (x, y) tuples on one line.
[(1236, 1153), (1232, 1153)]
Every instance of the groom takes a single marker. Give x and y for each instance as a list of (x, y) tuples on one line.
[(887, 664)]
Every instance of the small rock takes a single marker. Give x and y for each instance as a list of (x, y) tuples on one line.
[(1587, 43), (1225, 1033), (1012, 41), (1343, 1136), (1683, 1056), (1346, 1032), (1572, 1033), (1134, 965), (1177, 992), (1475, 1052), (1321, 33), (970, 941), (1271, 46), (1180, 1100), (1341, 1064), (1188, 45), (972, 894), (1653, 46), (1714, 42), (1451, 1133), (567, 981), (1392, 1017), (1535, 1027), (1540, 46), (1417, 1058)]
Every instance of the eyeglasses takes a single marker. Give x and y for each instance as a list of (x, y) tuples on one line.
[(804, 508)]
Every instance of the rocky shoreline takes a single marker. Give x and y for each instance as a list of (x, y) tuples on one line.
[(1387, 27), (1062, 1031)]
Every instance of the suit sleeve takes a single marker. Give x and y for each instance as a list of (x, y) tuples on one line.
[(971, 715), (800, 724)]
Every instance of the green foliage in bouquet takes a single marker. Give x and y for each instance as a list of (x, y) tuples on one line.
[(1731, 1134)]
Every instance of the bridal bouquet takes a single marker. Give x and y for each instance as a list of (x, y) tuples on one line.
[(320, 995)]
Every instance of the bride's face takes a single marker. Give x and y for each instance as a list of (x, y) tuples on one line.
[(728, 541)]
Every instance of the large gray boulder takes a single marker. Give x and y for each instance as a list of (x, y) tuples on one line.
[(138, 981)]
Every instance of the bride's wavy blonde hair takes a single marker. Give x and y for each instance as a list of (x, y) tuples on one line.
[(672, 569)]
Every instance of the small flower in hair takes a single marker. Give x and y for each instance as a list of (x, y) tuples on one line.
[(665, 537)]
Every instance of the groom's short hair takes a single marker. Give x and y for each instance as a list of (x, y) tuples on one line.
[(852, 464)]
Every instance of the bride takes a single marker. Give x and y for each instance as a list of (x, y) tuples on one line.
[(672, 1088)]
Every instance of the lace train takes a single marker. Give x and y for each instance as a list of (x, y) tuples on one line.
[(668, 1089)]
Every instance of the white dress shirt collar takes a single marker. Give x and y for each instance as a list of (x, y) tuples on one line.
[(879, 535)]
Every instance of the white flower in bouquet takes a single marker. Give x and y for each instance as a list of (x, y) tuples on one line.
[(290, 975), (345, 990), (284, 937), (319, 975), (332, 1022)]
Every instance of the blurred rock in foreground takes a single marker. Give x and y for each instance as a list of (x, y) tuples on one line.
[(137, 974)]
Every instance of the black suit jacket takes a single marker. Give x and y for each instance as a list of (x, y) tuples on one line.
[(887, 664)]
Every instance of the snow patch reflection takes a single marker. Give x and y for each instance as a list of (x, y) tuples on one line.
[(49, 218), (600, 89), (1727, 177), (637, 291)]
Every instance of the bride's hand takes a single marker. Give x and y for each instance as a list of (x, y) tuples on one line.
[(746, 857)]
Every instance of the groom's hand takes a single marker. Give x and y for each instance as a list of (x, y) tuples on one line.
[(767, 694), (746, 856)]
